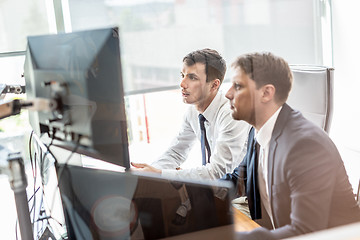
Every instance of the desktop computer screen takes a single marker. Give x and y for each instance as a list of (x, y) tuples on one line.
[(80, 74), (102, 204)]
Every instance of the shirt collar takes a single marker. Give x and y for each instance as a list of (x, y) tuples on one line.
[(263, 136), (211, 110)]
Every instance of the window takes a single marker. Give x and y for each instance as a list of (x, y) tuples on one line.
[(155, 36), (19, 19)]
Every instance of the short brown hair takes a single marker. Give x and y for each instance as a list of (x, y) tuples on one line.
[(266, 68), (215, 65)]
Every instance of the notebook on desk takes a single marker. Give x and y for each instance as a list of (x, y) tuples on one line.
[(102, 204)]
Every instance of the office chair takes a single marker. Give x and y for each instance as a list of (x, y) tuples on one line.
[(312, 93)]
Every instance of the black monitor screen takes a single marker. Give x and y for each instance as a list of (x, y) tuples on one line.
[(101, 204), (80, 72)]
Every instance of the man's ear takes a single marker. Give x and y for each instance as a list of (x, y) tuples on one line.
[(215, 84), (268, 93)]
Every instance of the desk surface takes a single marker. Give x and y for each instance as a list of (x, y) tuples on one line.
[(241, 223)]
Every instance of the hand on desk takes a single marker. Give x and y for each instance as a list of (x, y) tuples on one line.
[(145, 167)]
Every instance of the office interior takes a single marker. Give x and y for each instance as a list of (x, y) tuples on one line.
[(156, 34)]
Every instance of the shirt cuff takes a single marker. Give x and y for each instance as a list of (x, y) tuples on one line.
[(168, 173)]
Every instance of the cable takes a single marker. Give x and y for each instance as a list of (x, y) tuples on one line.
[(50, 215), (33, 168), (33, 196), (61, 172), (67, 160), (33, 160), (30, 153), (40, 218)]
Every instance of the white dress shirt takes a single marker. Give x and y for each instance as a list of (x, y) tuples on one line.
[(227, 139), (263, 137)]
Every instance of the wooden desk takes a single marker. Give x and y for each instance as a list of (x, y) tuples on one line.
[(346, 232), (243, 222)]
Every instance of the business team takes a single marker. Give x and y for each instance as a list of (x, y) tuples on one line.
[(292, 173)]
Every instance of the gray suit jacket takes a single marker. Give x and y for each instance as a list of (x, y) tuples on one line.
[(308, 186)]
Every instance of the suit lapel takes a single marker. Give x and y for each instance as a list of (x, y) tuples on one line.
[(278, 128)]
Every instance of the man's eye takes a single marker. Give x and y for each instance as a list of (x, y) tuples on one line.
[(192, 77), (182, 75), (237, 86)]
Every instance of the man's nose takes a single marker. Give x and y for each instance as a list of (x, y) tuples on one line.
[(229, 94), (183, 83)]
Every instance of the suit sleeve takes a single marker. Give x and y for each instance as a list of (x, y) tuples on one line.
[(238, 178), (310, 170)]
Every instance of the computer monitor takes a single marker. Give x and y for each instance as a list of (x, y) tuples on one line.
[(106, 205), (80, 72)]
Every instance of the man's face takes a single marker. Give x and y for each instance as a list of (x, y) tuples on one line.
[(242, 95), (195, 89)]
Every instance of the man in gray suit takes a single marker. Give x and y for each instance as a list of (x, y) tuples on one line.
[(295, 176)]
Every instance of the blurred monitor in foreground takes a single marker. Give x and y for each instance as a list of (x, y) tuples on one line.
[(101, 204), (80, 73)]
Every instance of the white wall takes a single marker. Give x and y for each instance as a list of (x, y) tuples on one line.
[(345, 129)]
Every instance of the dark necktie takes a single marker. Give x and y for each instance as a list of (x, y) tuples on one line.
[(252, 183), (204, 142), (247, 174)]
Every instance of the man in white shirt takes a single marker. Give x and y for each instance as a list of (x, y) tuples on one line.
[(201, 76)]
